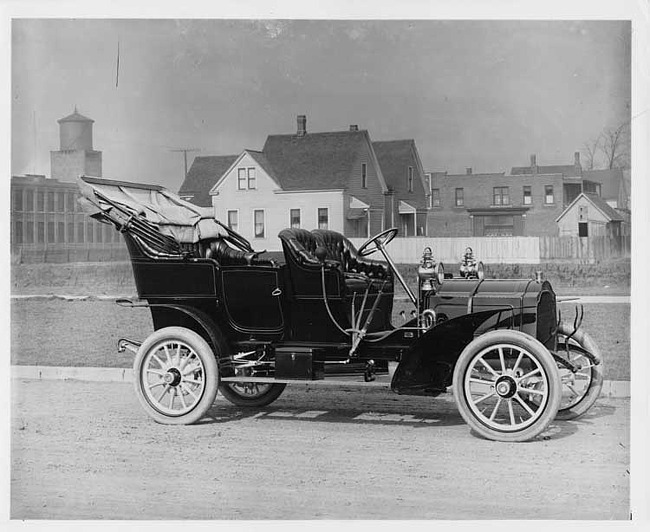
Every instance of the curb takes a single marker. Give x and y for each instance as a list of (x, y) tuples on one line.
[(616, 389)]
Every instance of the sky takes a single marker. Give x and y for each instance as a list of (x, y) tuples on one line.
[(484, 94)]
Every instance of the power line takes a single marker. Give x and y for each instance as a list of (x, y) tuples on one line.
[(185, 151)]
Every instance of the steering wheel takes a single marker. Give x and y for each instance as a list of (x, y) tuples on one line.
[(373, 244)]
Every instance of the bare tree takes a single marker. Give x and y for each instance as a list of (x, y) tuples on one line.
[(615, 146), (591, 150)]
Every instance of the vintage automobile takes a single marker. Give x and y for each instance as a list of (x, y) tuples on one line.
[(236, 321)]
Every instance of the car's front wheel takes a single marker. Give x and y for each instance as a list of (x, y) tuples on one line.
[(176, 376), (507, 386)]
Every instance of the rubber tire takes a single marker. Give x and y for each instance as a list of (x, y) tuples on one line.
[(593, 392), (535, 348), (248, 402), (203, 351)]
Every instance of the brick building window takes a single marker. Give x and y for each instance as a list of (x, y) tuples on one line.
[(50, 232), (89, 233), (233, 220), (80, 233), (459, 197), (435, 197), (98, 233), (29, 200), (60, 232), (323, 218), (294, 218), (70, 207), (364, 175), (70, 232), (410, 179), (18, 233), (528, 195), (29, 233), (500, 196), (40, 232), (18, 199), (50, 201), (40, 201), (548, 195), (60, 204), (258, 215)]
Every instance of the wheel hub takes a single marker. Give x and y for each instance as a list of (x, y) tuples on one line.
[(506, 387), (172, 377)]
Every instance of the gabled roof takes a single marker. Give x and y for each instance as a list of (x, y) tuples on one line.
[(567, 170), (203, 174), (610, 213), (316, 161), (394, 156), (257, 156)]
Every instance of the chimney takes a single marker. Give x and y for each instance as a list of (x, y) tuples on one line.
[(354, 127), (533, 163), (576, 163), (468, 170), (302, 125)]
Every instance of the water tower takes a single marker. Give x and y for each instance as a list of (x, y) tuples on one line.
[(76, 155)]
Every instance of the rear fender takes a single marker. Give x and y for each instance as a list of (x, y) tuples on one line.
[(426, 367)]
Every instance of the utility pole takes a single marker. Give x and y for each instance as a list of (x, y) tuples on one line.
[(185, 151)]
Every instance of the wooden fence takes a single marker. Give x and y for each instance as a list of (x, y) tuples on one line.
[(584, 249)]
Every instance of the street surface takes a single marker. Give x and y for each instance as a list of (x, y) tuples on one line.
[(83, 450)]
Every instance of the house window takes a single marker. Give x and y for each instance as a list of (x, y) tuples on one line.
[(410, 179), (364, 175), (548, 195), (259, 223), (18, 199), (528, 195), (500, 196), (80, 232), (252, 183), (29, 200), (40, 227), (241, 178), (323, 218), (294, 218), (50, 231), (40, 201), (460, 197), (435, 195), (233, 220)]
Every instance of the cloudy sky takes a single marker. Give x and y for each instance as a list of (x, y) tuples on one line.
[(484, 94)]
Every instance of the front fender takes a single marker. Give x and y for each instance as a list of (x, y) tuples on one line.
[(427, 366)]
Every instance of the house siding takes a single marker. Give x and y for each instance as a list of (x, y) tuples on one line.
[(371, 195), (449, 220), (275, 204), (597, 221)]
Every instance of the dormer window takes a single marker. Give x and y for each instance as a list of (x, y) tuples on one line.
[(246, 179), (410, 179)]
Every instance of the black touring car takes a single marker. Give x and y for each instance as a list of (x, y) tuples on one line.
[(231, 320)]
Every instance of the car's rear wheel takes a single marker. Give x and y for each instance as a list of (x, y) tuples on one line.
[(507, 386), (580, 390), (176, 376), (251, 394)]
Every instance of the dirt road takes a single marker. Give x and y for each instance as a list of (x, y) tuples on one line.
[(87, 451)]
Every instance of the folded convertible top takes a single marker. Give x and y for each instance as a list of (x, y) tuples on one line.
[(184, 222)]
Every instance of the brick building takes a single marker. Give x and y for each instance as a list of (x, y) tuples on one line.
[(47, 223), (527, 202)]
